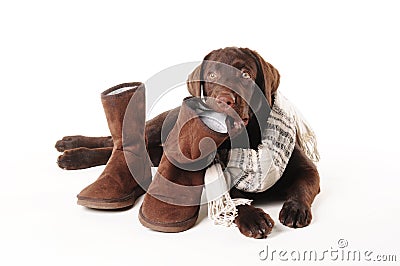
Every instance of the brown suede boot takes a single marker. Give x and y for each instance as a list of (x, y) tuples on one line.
[(173, 200), (127, 173)]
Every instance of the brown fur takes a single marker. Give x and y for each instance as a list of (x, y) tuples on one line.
[(300, 182)]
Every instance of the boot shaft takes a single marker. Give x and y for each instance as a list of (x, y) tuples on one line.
[(191, 145), (124, 106)]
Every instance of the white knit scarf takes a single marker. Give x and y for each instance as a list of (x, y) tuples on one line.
[(257, 170)]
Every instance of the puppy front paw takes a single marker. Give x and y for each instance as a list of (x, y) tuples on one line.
[(253, 222), (295, 214)]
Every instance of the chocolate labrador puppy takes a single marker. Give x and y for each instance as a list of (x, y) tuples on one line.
[(300, 182)]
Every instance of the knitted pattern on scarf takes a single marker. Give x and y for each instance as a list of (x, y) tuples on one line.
[(257, 170)]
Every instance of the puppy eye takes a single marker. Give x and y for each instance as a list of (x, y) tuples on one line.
[(212, 75), (245, 75)]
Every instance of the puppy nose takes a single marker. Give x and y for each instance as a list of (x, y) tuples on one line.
[(225, 101)]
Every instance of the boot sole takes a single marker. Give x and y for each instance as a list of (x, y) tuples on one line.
[(113, 204), (106, 205), (168, 227)]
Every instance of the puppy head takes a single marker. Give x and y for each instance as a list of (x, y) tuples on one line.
[(231, 79)]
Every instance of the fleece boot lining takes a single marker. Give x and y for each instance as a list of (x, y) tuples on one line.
[(121, 90)]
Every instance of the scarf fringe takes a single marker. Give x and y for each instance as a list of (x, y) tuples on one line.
[(308, 144), (223, 211), (305, 135)]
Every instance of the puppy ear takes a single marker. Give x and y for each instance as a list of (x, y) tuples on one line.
[(193, 82), (268, 79)]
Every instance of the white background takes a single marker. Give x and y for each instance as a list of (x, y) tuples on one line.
[(338, 62)]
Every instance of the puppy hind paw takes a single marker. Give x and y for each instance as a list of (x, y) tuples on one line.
[(72, 159)]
